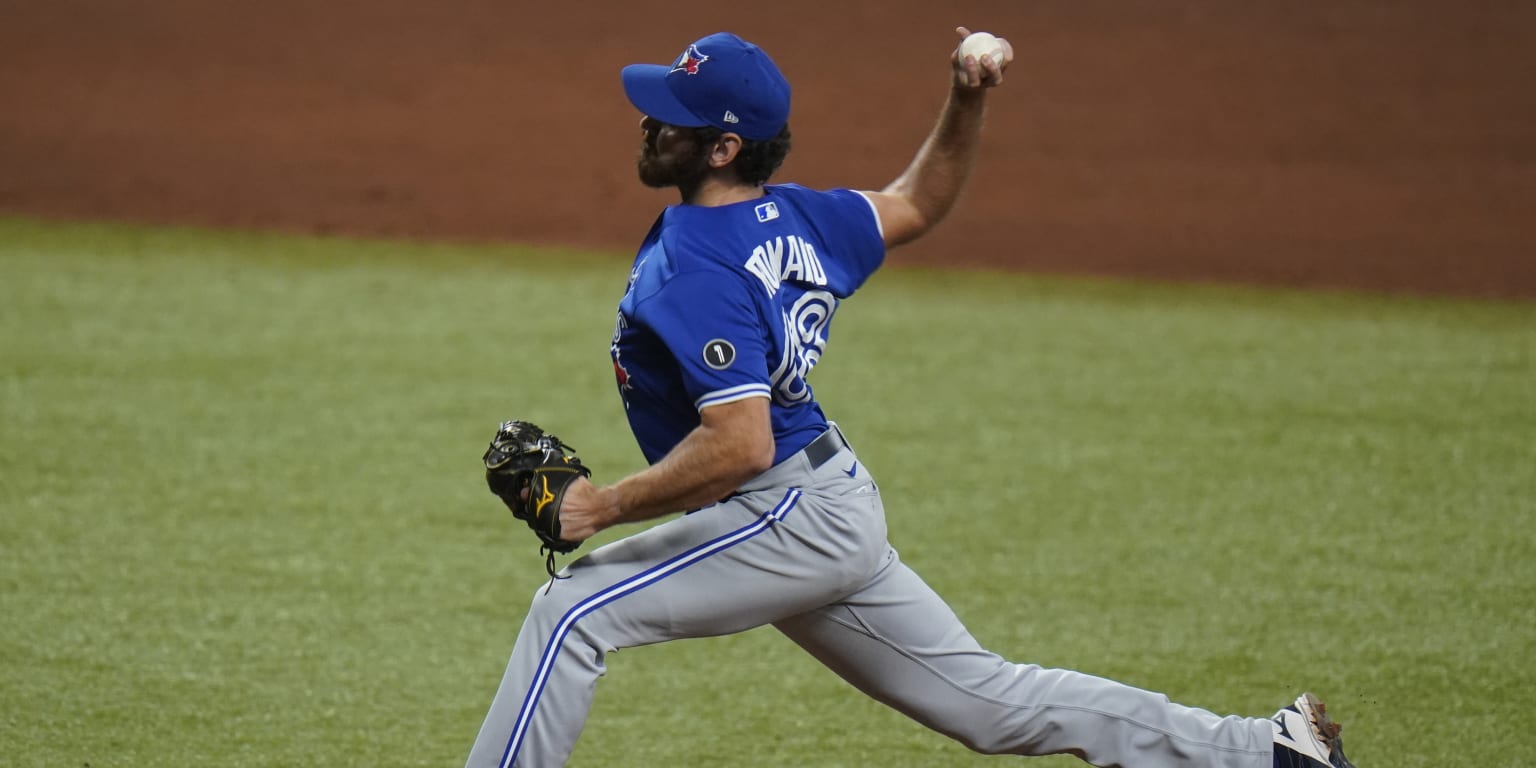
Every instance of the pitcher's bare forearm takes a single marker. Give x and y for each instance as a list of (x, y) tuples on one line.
[(932, 183), (732, 444), (930, 186)]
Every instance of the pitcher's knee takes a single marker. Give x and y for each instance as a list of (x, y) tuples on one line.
[(551, 607), (569, 617)]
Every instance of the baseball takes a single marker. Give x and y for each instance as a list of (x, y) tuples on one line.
[(979, 44)]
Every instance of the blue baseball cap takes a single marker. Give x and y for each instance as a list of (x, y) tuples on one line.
[(720, 80)]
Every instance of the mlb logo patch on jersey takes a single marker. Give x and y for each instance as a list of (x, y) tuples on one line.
[(767, 211)]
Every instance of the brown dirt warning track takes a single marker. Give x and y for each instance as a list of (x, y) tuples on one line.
[(1386, 146)]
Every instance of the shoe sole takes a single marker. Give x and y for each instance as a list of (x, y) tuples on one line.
[(1328, 730)]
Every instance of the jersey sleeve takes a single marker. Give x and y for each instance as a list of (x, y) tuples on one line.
[(851, 229), (711, 323)]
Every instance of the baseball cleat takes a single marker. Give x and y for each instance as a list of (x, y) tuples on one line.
[(1306, 738)]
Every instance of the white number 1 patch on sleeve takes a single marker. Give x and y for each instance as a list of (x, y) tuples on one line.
[(719, 354)]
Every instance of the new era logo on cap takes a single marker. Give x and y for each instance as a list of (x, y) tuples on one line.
[(730, 117)]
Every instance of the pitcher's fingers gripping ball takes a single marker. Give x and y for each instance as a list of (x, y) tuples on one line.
[(530, 470), (981, 58)]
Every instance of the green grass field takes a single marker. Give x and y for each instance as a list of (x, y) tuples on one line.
[(242, 520)]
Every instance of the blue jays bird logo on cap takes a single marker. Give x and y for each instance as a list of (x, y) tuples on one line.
[(690, 60)]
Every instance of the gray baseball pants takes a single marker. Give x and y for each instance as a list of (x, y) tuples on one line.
[(803, 547)]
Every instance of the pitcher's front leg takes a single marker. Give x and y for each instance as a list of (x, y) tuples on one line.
[(665, 583)]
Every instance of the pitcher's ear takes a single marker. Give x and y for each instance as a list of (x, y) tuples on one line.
[(725, 150)]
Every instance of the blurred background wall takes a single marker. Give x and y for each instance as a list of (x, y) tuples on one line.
[(1379, 145)]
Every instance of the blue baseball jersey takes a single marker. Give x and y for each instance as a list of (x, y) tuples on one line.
[(732, 302)]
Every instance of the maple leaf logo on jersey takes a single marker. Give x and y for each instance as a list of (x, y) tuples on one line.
[(690, 60), (620, 372)]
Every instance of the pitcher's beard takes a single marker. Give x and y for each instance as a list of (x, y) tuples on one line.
[(684, 171)]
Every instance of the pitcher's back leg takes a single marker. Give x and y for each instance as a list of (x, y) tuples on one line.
[(901, 644)]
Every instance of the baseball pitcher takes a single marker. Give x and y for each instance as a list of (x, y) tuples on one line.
[(727, 308)]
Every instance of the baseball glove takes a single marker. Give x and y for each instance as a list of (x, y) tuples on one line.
[(530, 470)]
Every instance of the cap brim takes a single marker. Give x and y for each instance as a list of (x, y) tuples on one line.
[(646, 87)]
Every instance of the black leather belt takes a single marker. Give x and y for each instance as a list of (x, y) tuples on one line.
[(823, 448)]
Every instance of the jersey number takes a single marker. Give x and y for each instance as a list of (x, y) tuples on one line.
[(805, 338)]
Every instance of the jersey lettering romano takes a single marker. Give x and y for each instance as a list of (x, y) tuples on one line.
[(731, 302)]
